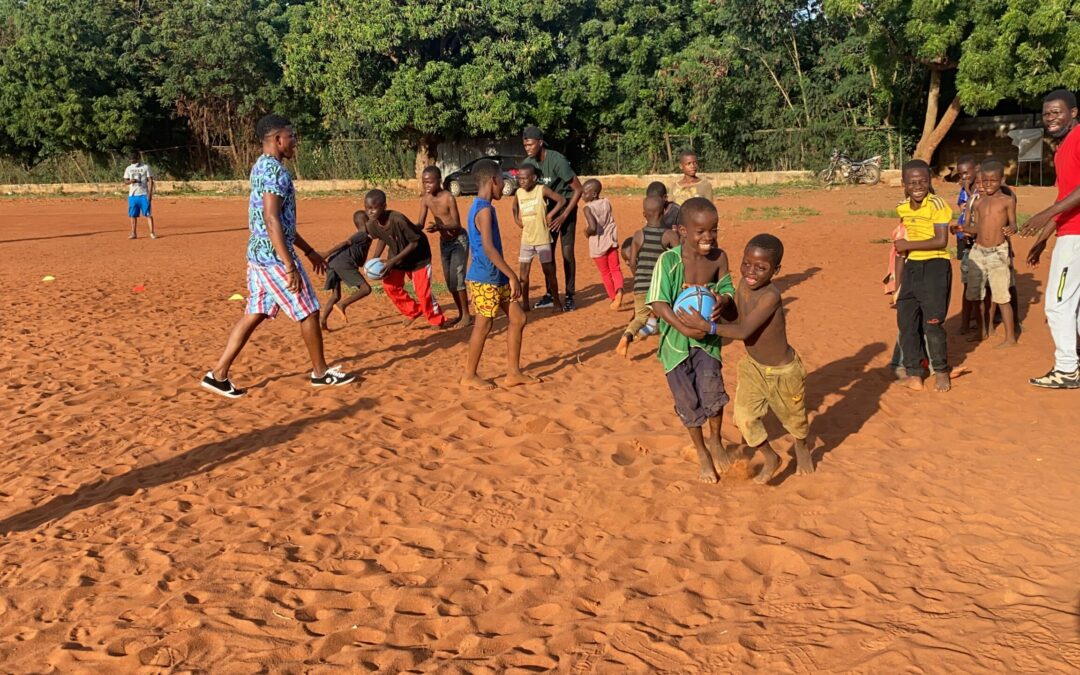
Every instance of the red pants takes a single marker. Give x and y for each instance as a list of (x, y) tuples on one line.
[(394, 285), (610, 274)]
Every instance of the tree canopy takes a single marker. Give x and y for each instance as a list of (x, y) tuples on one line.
[(741, 79)]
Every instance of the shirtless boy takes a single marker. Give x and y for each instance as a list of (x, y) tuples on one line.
[(453, 240), (691, 354), (994, 221), (772, 376)]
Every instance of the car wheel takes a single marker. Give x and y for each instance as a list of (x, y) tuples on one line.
[(455, 188), (508, 187)]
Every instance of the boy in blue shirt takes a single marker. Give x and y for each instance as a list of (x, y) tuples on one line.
[(492, 283)]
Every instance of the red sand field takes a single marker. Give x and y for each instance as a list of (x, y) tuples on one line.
[(407, 525)]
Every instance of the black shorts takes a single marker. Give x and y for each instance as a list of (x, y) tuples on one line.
[(698, 388), (347, 274)]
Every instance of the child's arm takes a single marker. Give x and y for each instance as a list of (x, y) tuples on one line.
[(483, 224), (670, 239), (1010, 227), (664, 312), (318, 263), (741, 329), (590, 223), (938, 241), (635, 248), (517, 213), (422, 218), (560, 205)]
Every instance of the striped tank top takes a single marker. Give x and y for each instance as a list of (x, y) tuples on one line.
[(650, 251)]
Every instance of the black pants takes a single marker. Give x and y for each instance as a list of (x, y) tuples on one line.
[(924, 302), (568, 234)]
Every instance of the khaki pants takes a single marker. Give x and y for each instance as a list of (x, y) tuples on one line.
[(760, 389), (641, 315)]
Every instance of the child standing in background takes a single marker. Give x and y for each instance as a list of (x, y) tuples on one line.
[(645, 248), (689, 185), (603, 240)]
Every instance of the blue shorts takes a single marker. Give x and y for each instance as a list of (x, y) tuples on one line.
[(138, 206)]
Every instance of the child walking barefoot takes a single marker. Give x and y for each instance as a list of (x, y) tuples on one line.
[(343, 263), (603, 240), (772, 376), (690, 355), (492, 283)]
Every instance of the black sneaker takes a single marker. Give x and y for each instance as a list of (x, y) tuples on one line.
[(568, 304), (332, 378), (224, 387), (1057, 379), (545, 301)]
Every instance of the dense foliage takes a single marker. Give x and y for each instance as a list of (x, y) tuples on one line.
[(751, 83)]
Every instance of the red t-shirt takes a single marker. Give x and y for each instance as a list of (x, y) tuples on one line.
[(1067, 165)]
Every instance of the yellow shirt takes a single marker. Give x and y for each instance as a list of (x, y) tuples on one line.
[(920, 224), (533, 213)]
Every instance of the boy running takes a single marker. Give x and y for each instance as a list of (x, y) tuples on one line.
[(603, 240), (140, 181), (276, 279), (772, 376), (453, 240), (343, 263), (531, 215), (689, 185), (645, 248), (689, 354), (410, 258), (492, 283), (923, 301), (990, 256)]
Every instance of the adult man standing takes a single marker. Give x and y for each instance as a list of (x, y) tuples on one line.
[(1062, 297), (140, 181), (555, 172)]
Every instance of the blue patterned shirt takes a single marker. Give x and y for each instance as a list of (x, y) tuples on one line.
[(269, 175)]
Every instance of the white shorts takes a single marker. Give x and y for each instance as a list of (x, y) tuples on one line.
[(528, 252)]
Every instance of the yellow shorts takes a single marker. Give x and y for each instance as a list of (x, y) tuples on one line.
[(487, 298), (781, 389)]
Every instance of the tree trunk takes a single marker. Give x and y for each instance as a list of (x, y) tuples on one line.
[(427, 152), (934, 130)]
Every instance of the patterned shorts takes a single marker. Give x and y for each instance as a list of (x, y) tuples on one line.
[(487, 298), (268, 292)]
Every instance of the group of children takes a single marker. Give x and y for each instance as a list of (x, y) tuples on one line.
[(920, 276), (676, 249)]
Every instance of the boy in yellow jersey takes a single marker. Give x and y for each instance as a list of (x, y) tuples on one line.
[(530, 214), (923, 300)]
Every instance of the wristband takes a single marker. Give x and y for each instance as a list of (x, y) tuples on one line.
[(712, 328)]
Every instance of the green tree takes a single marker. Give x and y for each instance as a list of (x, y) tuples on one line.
[(67, 77), (991, 51), (217, 66), (429, 71)]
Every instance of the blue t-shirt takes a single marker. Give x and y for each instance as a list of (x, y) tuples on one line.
[(481, 269), (269, 175), (961, 238)]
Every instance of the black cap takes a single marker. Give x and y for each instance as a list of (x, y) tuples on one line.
[(533, 133)]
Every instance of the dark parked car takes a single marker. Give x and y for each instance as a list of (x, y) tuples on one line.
[(462, 182)]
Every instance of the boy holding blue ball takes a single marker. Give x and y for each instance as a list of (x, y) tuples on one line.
[(690, 353), (772, 376)]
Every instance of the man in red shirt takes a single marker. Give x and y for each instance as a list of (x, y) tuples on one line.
[(1062, 298)]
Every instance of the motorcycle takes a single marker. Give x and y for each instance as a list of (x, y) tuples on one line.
[(842, 169)]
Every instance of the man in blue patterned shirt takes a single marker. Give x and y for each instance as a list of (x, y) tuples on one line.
[(276, 279)]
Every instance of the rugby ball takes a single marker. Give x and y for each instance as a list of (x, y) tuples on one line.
[(375, 269)]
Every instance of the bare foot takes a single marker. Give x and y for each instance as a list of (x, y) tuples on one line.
[(623, 348), (1005, 344), (720, 454), (913, 382), (466, 321), (477, 382), (337, 311), (518, 379), (708, 475), (452, 322), (900, 372), (942, 383), (768, 469), (617, 302), (804, 461)]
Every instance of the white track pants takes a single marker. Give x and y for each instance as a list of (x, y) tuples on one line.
[(1063, 301)]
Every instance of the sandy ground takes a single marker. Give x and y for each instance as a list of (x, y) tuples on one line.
[(407, 525)]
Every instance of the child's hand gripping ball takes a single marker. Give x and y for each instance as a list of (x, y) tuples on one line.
[(697, 299), (375, 269)]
